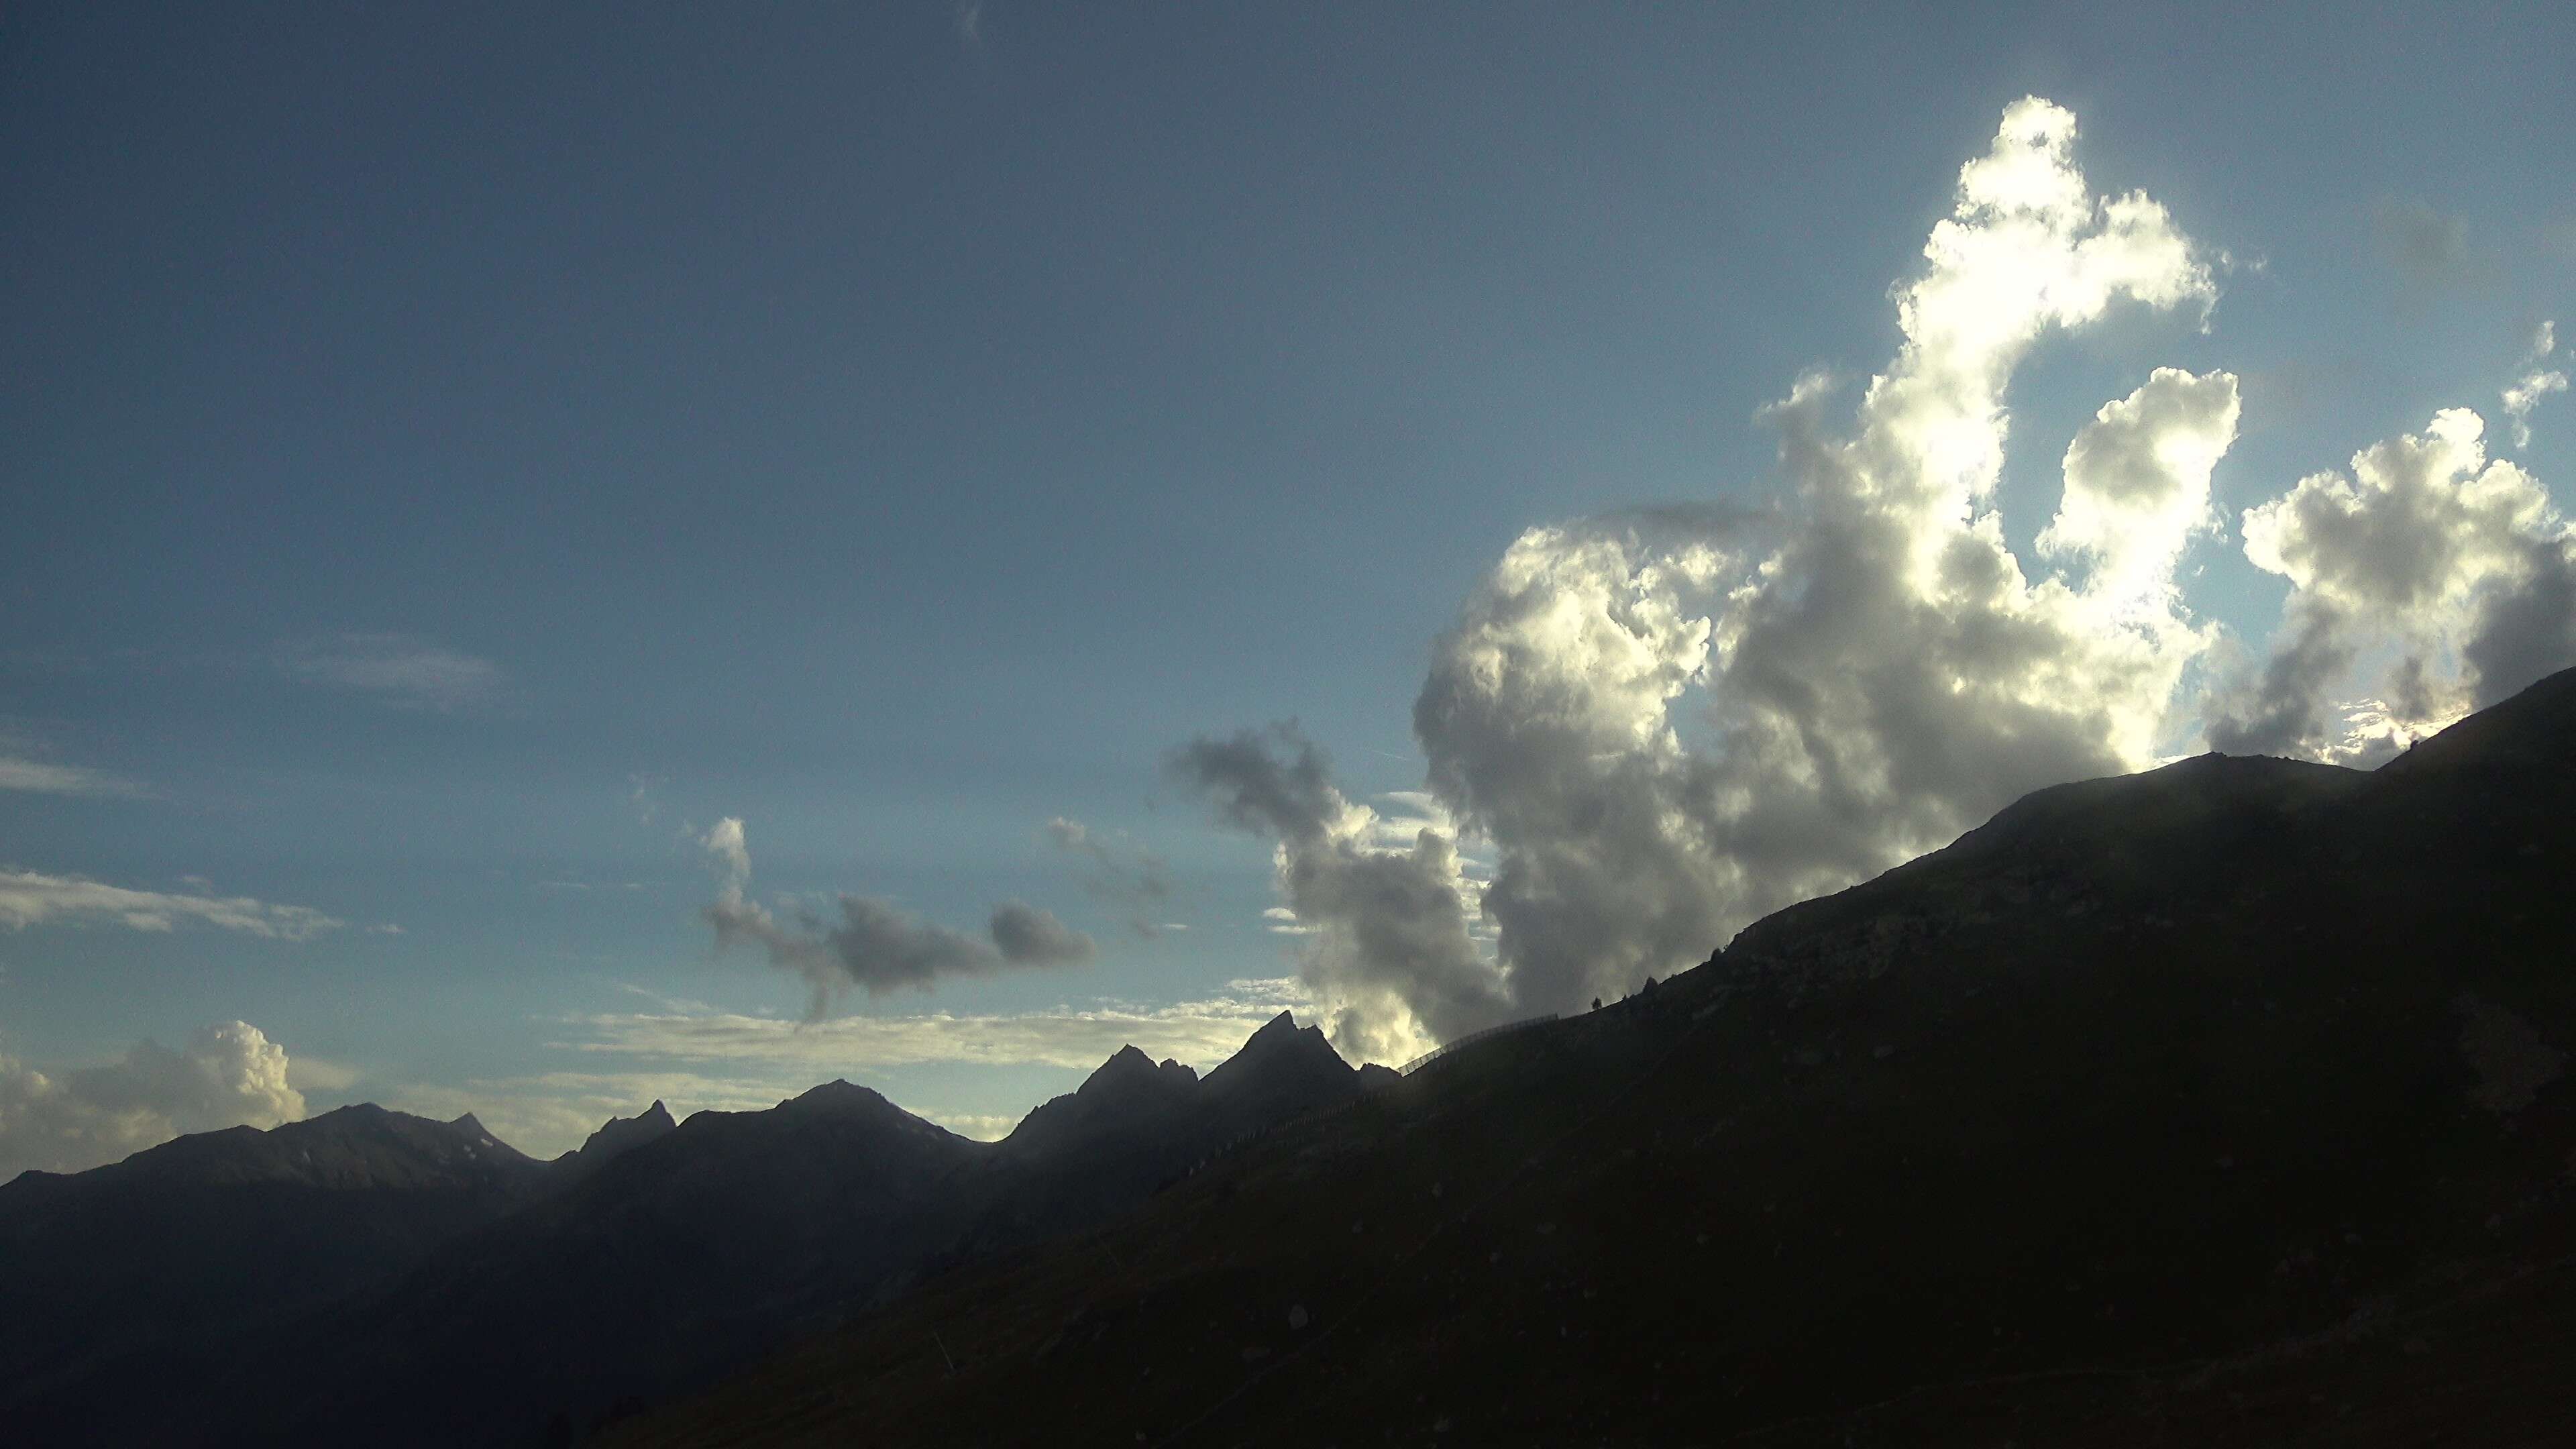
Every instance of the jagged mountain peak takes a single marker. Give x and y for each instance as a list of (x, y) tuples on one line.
[(1277, 1028), (620, 1135), (1130, 1065), (1126, 1062), (838, 1092), (839, 1102), (1280, 1069), (1281, 1050)]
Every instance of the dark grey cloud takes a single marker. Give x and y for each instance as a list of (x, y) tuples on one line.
[(2526, 626), (1028, 936), (2283, 710), (1271, 781), (1382, 927), (2429, 249), (873, 944)]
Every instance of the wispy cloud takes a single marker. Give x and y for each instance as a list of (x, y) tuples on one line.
[(43, 777), (2537, 381), (2428, 248), (32, 898), (400, 669), (315, 1075), (28, 765), (1202, 1033), (644, 794), (982, 1126), (1118, 872)]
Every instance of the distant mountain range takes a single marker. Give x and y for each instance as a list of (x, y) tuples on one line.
[(208, 1236), (372, 1276), (2222, 1104)]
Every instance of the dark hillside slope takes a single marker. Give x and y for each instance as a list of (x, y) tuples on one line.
[(2223, 1104)]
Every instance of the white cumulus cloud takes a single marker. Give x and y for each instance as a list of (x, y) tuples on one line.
[(225, 1076), (1862, 673), (1646, 729), (2453, 573)]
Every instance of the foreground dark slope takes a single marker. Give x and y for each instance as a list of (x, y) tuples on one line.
[(2216, 1105)]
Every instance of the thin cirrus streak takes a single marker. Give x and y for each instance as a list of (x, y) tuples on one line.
[(44, 777), (31, 898), (1201, 1032)]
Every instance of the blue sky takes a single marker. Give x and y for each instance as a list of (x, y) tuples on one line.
[(457, 456)]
